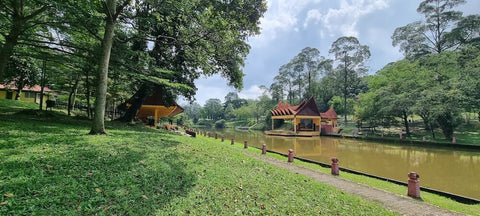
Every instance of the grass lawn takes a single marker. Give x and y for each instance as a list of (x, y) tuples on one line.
[(51, 167)]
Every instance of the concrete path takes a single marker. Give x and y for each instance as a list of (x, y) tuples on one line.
[(403, 205)]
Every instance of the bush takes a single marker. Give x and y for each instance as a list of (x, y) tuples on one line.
[(220, 123), (205, 122)]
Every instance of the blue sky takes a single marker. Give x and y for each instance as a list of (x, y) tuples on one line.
[(288, 26)]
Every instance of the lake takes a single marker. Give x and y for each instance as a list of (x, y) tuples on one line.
[(445, 169)]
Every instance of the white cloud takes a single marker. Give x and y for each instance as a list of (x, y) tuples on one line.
[(281, 16), (251, 93), (312, 15), (344, 19)]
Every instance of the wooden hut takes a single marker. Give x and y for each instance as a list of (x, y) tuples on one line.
[(155, 107), (306, 118)]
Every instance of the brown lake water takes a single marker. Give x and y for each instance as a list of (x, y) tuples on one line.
[(453, 171)]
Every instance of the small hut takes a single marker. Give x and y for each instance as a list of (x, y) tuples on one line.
[(154, 107), (306, 118), (329, 121)]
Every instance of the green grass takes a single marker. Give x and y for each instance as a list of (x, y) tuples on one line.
[(51, 167), (433, 199)]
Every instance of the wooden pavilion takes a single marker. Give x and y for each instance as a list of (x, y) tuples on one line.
[(154, 107), (307, 120)]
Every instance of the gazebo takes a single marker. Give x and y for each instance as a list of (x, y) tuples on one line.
[(306, 118)]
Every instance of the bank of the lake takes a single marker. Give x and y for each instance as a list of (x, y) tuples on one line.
[(50, 166), (438, 166)]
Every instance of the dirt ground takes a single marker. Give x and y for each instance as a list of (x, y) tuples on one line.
[(403, 205)]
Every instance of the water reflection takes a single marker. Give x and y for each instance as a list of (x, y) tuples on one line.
[(454, 171)]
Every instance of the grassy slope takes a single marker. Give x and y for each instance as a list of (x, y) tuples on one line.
[(49, 166)]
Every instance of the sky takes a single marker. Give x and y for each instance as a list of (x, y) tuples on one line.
[(288, 26)]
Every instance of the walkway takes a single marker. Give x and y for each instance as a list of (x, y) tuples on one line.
[(403, 205)]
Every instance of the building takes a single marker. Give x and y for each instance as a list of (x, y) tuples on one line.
[(29, 93), (307, 120), (154, 108)]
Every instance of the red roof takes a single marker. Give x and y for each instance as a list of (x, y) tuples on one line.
[(306, 108), (35, 88), (329, 114)]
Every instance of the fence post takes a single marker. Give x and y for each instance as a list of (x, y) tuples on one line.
[(335, 168), (290, 155), (264, 148), (413, 185)]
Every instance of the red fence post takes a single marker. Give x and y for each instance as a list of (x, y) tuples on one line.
[(223, 139), (233, 141), (335, 169), (245, 144), (290, 155), (413, 185), (216, 135), (264, 148)]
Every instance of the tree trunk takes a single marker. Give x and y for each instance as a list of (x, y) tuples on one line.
[(42, 83), (98, 126), (12, 38), (19, 92), (19, 85), (136, 102), (405, 122), (7, 49), (87, 94), (72, 96)]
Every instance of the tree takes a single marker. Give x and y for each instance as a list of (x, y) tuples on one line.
[(194, 38), (193, 111), (19, 18), (111, 11), (21, 71), (213, 109), (309, 62), (396, 88), (350, 57), (420, 38)]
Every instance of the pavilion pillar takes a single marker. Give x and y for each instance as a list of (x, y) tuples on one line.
[(295, 124), (273, 125), (156, 116)]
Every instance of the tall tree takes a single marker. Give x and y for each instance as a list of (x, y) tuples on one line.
[(17, 18), (111, 11), (350, 57), (213, 108), (307, 62), (430, 36)]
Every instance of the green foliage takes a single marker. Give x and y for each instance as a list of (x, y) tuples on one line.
[(220, 123), (350, 57), (337, 103), (431, 35), (213, 109)]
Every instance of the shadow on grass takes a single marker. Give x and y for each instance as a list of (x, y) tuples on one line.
[(50, 170)]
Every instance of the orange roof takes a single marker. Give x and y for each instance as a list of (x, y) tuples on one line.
[(330, 114), (306, 107), (35, 88)]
